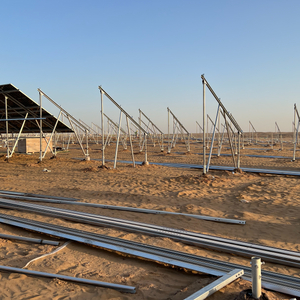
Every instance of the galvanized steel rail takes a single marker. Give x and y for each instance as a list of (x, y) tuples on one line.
[(275, 255), (125, 208), (118, 287), (270, 280)]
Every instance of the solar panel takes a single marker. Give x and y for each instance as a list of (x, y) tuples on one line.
[(18, 105)]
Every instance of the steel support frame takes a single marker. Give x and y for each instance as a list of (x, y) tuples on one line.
[(216, 285), (159, 136), (73, 122), (296, 130), (128, 117), (177, 128), (226, 115)]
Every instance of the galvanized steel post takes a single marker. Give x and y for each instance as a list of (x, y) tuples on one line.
[(256, 277), (102, 125), (41, 124), (118, 139), (204, 128), (6, 122)]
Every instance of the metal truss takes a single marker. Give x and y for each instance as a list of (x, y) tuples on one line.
[(230, 124), (112, 127), (128, 117), (270, 280), (296, 130), (252, 131), (93, 133), (76, 126), (178, 129), (278, 135), (154, 133)]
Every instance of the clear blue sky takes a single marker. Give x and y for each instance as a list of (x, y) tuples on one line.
[(151, 54)]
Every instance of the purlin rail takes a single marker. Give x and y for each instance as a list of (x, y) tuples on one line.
[(270, 280), (275, 255)]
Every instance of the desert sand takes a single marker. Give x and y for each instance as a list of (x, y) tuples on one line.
[(270, 204)]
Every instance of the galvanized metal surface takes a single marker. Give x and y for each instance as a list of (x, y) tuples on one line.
[(281, 256), (125, 208), (119, 287), (256, 277), (216, 285), (274, 281), (27, 239)]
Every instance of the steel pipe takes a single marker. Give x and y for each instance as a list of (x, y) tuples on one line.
[(27, 239), (118, 287)]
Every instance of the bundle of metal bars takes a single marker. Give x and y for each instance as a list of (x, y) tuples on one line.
[(125, 208), (271, 254), (270, 280)]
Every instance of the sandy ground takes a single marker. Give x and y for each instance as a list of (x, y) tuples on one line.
[(270, 204)]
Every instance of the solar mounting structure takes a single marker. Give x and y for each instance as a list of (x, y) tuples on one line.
[(77, 126), (154, 133), (112, 127), (21, 115), (279, 135), (230, 131), (296, 130), (252, 130), (128, 117), (178, 129)]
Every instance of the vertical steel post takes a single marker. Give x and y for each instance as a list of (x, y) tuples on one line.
[(118, 138), (294, 135), (102, 125), (212, 139), (6, 123), (220, 146), (256, 277), (131, 147), (41, 126), (169, 149), (146, 158), (54, 144), (230, 141), (239, 151), (87, 157), (204, 128), (219, 133), (140, 136)]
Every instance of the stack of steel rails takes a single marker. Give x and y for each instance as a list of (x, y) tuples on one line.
[(33, 197), (270, 280), (270, 254)]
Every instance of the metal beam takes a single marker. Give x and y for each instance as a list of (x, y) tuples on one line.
[(230, 117), (122, 110), (270, 280), (276, 255), (118, 287), (216, 285)]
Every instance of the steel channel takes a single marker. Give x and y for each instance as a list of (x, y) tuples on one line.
[(37, 195), (275, 281), (134, 209), (28, 198), (276, 255)]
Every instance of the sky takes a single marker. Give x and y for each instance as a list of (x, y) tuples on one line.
[(150, 55)]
